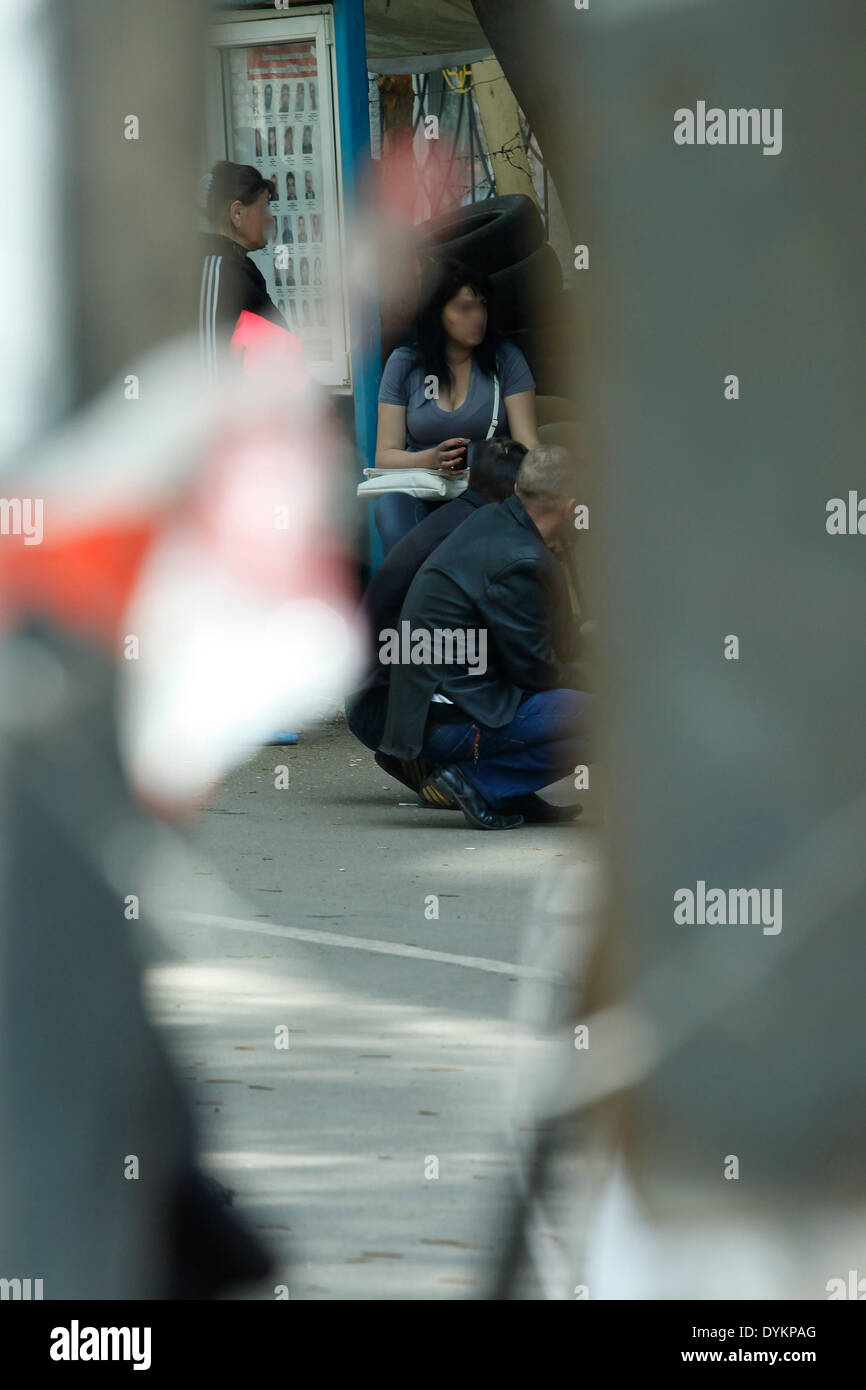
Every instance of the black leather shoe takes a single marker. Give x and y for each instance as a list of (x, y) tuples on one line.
[(394, 768), (414, 775), (428, 795), (411, 774), (449, 781)]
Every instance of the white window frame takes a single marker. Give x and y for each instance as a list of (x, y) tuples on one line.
[(255, 28)]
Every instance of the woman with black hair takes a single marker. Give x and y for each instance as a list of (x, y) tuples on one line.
[(237, 203), (441, 394)]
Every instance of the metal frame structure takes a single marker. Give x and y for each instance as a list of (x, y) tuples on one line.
[(353, 159)]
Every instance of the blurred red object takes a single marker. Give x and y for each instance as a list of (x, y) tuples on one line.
[(82, 577), (79, 580), (256, 339)]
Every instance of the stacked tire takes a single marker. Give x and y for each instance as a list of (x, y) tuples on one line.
[(504, 238), (492, 236)]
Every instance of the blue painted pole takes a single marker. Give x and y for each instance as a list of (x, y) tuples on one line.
[(364, 336)]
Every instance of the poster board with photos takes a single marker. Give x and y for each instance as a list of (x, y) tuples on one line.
[(277, 113)]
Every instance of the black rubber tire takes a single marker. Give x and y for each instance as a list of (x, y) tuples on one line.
[(554, 372), (487, 236), (522, 293)]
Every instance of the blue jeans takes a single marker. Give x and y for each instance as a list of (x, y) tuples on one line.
[(396, 513), (546, 740)]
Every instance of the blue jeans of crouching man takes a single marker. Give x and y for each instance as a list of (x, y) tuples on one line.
[(546, 740)]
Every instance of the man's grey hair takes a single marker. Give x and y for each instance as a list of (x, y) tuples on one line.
[(547, 477)]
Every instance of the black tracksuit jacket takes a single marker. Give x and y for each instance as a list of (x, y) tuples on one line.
[(230, 283)]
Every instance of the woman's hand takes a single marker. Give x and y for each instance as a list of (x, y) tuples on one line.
[(449, 456)]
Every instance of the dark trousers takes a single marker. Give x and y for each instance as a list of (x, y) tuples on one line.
[(546, 740), (365, 715)]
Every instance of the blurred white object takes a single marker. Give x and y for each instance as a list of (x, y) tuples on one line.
[(785, 1251), (241, 619)]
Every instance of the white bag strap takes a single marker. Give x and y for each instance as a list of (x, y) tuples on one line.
[(495, 420)]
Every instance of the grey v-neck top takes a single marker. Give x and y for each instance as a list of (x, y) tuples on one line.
[(427, 424)]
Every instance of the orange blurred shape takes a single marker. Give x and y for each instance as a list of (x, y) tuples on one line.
[(81, 580), (257, 340)]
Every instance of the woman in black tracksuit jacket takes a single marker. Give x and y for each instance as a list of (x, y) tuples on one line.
[(238, 210)]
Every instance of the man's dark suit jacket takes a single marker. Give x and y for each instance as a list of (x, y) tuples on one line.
[(496, 574), (387, 590)]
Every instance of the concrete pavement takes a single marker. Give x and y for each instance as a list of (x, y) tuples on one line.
[(338, 994)]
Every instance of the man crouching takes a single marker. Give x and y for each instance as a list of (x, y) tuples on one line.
[(498, 730)]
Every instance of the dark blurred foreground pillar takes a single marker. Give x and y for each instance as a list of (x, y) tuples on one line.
[(708, 523), (99, 1194)]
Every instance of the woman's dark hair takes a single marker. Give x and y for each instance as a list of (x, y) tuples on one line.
[(493, 466), (441, 282), (232, 183)]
